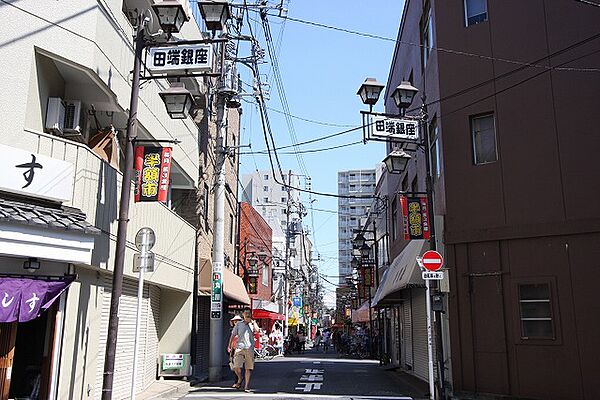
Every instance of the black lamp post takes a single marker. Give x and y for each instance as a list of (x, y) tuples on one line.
[(369, 91), (403, 97), (215, 14), (171, 15), (397, 161), (178, 100)]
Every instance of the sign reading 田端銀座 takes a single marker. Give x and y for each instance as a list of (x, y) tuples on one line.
[(152, 173), (416, 217)]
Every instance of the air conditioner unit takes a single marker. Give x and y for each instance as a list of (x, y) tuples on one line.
[(55, 115), (72, 122), (174, 365)]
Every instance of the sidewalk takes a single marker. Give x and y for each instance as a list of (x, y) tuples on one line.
[(165, 389)]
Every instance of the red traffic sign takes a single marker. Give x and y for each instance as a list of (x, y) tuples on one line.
[(432, 260)]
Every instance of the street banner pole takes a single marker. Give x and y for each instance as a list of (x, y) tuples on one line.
[(430, 343)]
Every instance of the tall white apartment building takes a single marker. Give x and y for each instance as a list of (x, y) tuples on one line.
[(361, 184)]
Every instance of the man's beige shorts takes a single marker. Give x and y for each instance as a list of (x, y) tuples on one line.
[(243, 357)]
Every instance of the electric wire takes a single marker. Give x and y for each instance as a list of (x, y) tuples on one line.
[(310, 150), (440, 49)]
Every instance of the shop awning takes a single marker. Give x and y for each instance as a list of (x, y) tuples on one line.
[(402, 273), (24, 299), (264, 314), (362, 314)]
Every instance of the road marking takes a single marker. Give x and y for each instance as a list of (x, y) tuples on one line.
[(311, 379), (308, 386), (288, 396)]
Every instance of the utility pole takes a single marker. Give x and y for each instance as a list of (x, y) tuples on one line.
[(117, 278), (287, 256), (215, 355)]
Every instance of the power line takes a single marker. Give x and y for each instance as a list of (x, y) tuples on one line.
[(590, 3), (312, 121), (440, 49), (311, 150)]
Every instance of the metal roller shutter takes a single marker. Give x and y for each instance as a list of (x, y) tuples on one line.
[(148, 341), (407, 349), (419, 328)]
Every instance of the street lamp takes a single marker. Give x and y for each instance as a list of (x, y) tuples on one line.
[(359, 240), (171, 15), (178, 100), (369, 91), (404, 94), (365, 250), (397, 161), (215, 14), (354, 263)]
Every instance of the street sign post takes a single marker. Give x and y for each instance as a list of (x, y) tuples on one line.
[(142, 262), (430, 263)]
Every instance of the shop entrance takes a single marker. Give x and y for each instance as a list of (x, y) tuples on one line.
[(26, 357)]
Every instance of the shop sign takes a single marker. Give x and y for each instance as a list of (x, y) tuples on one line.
[(152, 173), (172, 361), (297, 301), (395, 128), (367, 274), (35, 175), (190, 58), (415, 217), (216, 293)]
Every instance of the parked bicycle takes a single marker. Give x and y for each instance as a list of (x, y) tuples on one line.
[(266, 352)]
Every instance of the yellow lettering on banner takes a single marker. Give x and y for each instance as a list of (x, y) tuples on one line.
[(152, 159), (150, 174)]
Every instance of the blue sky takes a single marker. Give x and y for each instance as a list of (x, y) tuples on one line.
[(321, 70)]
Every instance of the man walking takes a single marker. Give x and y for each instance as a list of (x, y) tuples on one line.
[(244, 349)]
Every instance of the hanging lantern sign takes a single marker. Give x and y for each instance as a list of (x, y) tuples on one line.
[(415, 215), (152, 173)]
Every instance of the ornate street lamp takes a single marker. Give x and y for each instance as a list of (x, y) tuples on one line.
[(359, 240), (178, 100), (215, 14), (404, 94), (354, 263), (369, 91), (396, 161), (365, 250), (171, 15)]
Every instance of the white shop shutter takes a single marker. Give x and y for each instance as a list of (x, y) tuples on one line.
[(148, 341), (419, 334)]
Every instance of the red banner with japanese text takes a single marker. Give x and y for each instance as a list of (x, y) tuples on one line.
[(367, 274), (152, 173), (415, 216)]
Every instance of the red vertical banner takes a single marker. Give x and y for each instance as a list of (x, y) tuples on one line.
[(152, 173), (415, 217)]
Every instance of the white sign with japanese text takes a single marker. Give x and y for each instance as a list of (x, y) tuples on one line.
[(193, 58), (395, 128), (31, 174)]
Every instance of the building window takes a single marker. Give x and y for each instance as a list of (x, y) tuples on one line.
[(283, 211), (483, 133), (394, 219), (283, 200), (426, 37), (535, 310), (266, 177), (434, 148), (475, 12), (265, 199), (265, 188), (283, 188)]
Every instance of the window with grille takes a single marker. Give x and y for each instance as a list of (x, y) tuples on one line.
[(535, 308), (483, 132)]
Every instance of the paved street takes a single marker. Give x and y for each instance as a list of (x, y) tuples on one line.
[(315, 375)]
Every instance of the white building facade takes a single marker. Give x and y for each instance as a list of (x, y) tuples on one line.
[(79, 54), (360, 184)]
